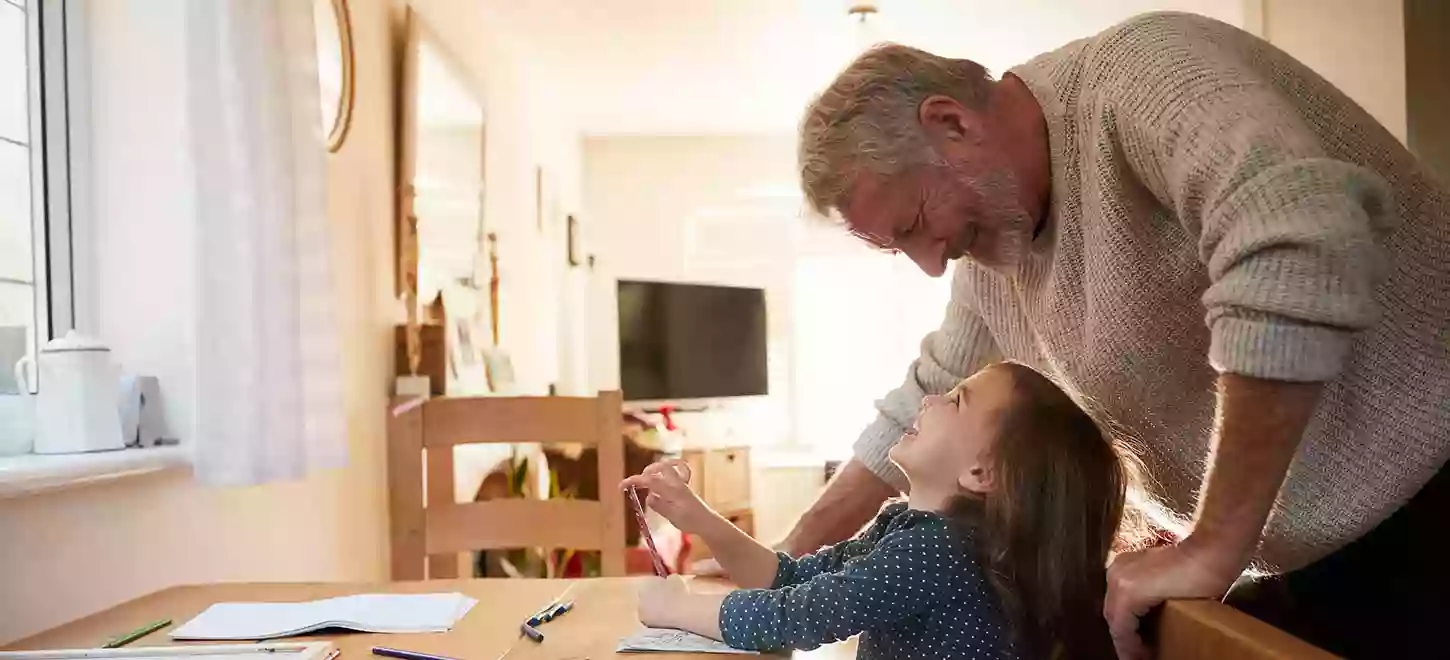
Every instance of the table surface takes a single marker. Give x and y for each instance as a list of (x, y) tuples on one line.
[(604, 612)]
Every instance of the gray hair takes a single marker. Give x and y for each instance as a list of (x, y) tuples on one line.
[(867, 119)]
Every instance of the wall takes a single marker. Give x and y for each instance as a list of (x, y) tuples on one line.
[(844, 321), (694, 209), (1427, 52), (1359, 45)]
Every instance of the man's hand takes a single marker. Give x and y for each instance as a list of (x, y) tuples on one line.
[(1256, 432), (1141, 580)]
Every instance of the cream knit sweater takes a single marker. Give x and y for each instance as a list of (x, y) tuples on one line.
[(1218, 207)]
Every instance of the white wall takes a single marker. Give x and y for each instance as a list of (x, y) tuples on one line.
[(1359, 45), (690, 209), (844, 321), (70, 553)]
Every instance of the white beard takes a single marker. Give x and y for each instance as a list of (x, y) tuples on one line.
[(1005, 226)]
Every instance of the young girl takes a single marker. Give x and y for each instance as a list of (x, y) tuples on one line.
[(999, 551)]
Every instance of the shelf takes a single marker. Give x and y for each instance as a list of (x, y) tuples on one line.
[(36, 473)]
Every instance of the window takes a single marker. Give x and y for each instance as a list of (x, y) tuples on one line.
[(35, 293), (858, 319)]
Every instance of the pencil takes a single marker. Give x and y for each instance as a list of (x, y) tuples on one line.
[(137, 634)]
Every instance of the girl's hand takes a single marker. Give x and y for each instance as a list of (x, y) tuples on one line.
[(660, 599), (668, 483)]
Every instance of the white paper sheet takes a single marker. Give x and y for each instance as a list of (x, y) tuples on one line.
[(377, 613), (661, 640)]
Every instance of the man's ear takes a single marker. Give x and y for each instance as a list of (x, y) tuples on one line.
[(976, 479), (943, 118)]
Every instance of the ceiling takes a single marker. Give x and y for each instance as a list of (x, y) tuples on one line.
[(689, 67)]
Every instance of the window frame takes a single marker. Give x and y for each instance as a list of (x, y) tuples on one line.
[(50, 86)]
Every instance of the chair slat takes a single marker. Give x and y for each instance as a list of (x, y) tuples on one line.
[(514, 523), (457, 421), (405, 493)]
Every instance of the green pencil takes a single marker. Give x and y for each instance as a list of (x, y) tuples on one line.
[(137, 634)]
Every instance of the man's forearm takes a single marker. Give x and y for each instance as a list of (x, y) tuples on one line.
[(1257, 430), (843, 508)]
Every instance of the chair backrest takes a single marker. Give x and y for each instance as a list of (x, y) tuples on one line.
[(426, 522)]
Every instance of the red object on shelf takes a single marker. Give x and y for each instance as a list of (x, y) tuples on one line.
[(669, 421)]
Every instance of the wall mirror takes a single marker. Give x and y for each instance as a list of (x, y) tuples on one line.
[(334, 68), (443, 250)]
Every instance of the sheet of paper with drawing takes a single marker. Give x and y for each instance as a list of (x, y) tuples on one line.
[(661, 640)]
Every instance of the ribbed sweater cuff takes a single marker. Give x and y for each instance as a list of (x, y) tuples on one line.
[(872, 448), (1275, 350)]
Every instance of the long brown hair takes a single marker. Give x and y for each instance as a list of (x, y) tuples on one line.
[(1045, 529)]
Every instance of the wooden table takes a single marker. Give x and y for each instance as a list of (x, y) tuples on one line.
[(604, 612)]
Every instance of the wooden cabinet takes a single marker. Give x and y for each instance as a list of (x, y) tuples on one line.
[(727, 479), (721, 476)]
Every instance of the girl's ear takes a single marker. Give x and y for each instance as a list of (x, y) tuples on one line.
[(976, 479)]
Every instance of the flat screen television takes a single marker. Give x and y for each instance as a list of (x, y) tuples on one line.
[(690, 341)]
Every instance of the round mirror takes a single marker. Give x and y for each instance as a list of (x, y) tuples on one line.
[(334, 68)]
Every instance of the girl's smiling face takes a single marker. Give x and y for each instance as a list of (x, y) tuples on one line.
[(948, 450)]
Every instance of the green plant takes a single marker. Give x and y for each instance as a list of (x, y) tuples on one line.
[(537, 562)]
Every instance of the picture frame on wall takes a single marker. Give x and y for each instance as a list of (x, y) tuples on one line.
[(575, 250)]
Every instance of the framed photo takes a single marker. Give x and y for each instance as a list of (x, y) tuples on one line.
[(576, 251)]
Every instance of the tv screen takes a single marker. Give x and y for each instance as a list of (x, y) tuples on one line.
[(690, 341)]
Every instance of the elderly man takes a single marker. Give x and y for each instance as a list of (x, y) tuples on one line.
[(1219, 252)]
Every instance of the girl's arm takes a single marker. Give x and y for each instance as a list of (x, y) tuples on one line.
[(748, 563), (668, 603), (752, 565), (909, 572)]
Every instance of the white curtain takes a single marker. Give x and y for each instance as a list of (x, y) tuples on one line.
[(268, 390)]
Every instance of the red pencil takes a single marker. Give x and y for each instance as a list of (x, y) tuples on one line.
[(649, 539)]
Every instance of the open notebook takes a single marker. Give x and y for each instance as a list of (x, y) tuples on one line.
[(376, 613)]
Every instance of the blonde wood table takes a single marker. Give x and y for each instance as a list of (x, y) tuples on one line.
[(604, 612)]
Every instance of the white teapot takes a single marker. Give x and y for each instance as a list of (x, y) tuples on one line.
[(79, 388)]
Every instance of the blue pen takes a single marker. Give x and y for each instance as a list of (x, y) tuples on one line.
[(550, 613), (407, 655), (553, 614)]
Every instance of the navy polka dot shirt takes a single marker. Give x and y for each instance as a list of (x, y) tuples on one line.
[(907, 585)]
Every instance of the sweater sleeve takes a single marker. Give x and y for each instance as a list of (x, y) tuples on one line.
[(909, 572), (948, 354), (1288, 235)]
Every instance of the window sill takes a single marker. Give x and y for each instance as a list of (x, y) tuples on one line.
[(35, 473)]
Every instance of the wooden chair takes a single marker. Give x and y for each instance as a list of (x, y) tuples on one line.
[(427, 523)]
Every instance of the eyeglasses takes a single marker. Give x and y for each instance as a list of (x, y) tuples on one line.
[(890, 245)]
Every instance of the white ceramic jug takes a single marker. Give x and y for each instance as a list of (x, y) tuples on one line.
[(17, 415), (79, 389)]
